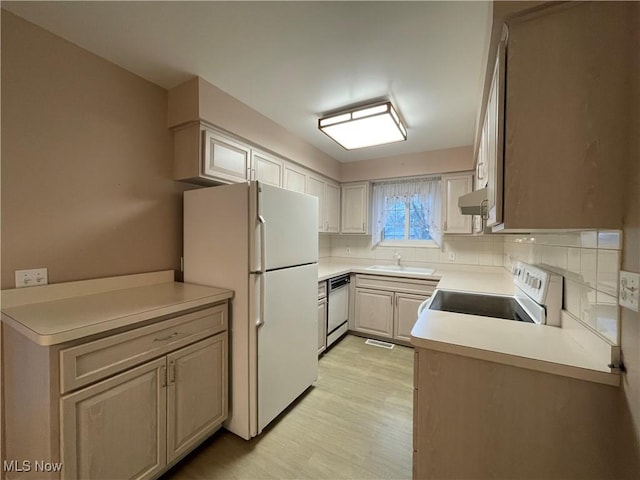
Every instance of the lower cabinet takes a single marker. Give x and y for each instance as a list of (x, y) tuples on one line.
[(406, 308), (322, 325), (322, 317), (196, 394), (387, 306), (374, 312), (117, 428), (125, 406), (135, 423)]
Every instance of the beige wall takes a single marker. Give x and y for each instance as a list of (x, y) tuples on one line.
[(458, 159), (86, 163), (197, 99)]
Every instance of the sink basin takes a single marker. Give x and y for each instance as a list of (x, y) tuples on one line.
[(496, 306), (402, 269)]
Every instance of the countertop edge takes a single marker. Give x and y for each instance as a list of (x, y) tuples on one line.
[(580, 373)]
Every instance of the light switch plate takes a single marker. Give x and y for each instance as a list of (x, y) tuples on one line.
[(629, 283), (32, 277)]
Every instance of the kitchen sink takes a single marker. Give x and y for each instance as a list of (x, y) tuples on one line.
[(402, 269), (495, 306)]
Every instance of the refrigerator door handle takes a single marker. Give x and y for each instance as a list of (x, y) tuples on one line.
[(262, 222), (260, 321)]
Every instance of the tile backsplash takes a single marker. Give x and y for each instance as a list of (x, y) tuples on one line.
[(466, 250), (590, 264)]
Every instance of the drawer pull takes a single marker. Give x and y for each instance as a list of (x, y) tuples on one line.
[(164, 339)]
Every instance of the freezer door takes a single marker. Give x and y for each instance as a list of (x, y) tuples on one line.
[(285, 228), (287, 357)]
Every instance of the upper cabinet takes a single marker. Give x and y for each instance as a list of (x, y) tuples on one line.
[(225, 159), (454, 186), (565, 80), (328, 195), (332, 209), (356, 205), (491, 154), (206, 156), (267, 168), (295, 178)]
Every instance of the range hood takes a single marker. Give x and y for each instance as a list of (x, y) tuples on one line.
[(474, 203)]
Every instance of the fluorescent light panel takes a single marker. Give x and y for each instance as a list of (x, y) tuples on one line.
[(365, 126)]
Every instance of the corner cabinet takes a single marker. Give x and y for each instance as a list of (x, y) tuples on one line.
[(453, 186), (386, 307), (355, 208), (127, 405)]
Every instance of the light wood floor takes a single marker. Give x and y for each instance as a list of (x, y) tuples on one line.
[(355, 423)]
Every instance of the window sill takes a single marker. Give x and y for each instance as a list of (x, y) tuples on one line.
[(408, 243)]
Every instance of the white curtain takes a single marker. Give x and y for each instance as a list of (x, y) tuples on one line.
[(427, 189)]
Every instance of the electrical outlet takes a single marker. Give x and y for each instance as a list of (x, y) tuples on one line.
[(32, 277), (629, 283), (452, 256), (347, 251)]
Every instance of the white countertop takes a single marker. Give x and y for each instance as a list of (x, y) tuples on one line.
[(52, 319), (537, 347)]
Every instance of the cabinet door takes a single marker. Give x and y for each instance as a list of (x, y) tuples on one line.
[(196, 393), (355, 208), (481, 167), (374, 312), (116, 428), (225, 159), (406, 314), (332, 208), (322, 325), (316, 187), (455, 186), (266, 168), (294, 179), (493, 133)]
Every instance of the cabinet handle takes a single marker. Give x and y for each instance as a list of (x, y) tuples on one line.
[(445, 225), (363, 229), (172, 372), (163, 376), (164, 339)]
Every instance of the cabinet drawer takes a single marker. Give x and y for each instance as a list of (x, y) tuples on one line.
[(84, 364), (395, 284), (322, 290)]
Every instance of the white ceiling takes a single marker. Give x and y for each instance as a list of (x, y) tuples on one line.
[(294, 61)]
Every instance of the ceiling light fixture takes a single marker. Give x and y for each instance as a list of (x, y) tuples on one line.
[(364, 126)]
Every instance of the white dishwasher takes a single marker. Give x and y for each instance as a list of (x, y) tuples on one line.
[(338, 316)]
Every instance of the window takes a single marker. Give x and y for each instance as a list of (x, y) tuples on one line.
[(407, 211), (406, 219)]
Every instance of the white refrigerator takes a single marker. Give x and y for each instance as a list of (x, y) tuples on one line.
[(262, 242)]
